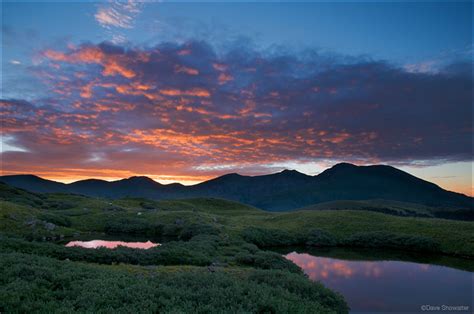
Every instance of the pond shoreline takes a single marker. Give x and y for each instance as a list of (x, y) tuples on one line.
[(163, 239), (374, 254)]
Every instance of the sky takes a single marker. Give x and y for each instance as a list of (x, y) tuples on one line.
[(187, 91)]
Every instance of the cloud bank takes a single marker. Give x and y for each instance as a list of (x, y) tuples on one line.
[(176, 109)]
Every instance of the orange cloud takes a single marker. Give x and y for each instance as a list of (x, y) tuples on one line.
[(197, 92), (111, 64), (219, 67), (184, 52), (84, 55), (112, 68), (186, 70), (224, 78), (336, 138)]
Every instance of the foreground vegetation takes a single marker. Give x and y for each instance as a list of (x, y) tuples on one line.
[(220, 245), (37, 284)]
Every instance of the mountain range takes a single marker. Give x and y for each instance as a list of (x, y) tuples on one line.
[(285, 190)]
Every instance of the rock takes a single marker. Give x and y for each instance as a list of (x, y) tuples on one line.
[(31, 222), (114, 209), (139, 213), (218, 264), (13, 217), (49, 226), (179, 222)]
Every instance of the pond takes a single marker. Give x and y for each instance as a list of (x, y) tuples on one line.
[(93, 244), (377, 284)]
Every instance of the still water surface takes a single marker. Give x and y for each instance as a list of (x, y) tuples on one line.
[(93, 244), (389, 285)]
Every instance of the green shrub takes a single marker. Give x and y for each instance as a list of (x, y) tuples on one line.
[(172, 230), (320, 238), (55, 219), (266, 260), (389, 240), (147, 205), (193, 230), (293, 284), (133, 226), (58, 205), (270, 237)]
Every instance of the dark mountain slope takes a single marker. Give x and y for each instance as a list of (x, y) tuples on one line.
[(247, 189), (350, 182), (134, 186), (34, 183)]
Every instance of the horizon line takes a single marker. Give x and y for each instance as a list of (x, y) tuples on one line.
[(166, 182)]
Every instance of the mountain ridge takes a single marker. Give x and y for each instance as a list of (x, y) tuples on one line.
[(284, 190)]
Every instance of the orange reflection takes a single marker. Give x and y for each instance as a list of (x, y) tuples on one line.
[(318, 268), (112, 244)]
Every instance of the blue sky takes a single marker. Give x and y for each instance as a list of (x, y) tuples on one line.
[(423, 35), (420, 50), (394, 31)]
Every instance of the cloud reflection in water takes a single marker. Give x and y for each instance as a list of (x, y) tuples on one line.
[(112, 244), (376, 286)]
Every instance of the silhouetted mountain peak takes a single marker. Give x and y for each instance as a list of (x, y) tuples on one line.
[(338, 169), (174, 185), (230, 175), (139, 180), (292, 175), (343, 166), (290, 172), (87, 181)]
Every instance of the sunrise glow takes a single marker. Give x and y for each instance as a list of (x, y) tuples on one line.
[(110, 102)]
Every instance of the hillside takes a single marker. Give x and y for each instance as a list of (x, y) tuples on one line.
[(275, 192), (395, 208), (29, 214)]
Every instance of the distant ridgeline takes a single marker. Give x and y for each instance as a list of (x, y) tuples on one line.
[(378, 187)]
